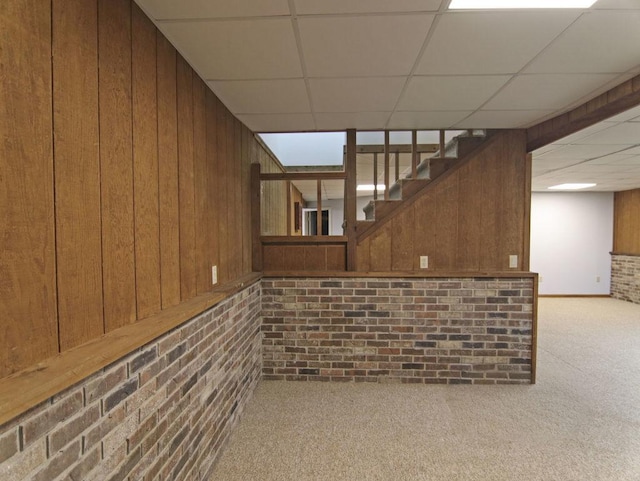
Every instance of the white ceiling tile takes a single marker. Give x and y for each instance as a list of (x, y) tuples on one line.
[(313, 7), (356, 94), (583, 152), (575, 138), (449, 92), (545, 92), (237, 49), (628, 115), (612, 159), (359, 120), (426, 120), (278, 122), (616, 4), (262, 96), (502, 119), (600, 41), (490, 43), (624, 133), (362, 46), (171, 9)]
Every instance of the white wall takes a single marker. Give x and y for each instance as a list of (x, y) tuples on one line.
[(571, 237)]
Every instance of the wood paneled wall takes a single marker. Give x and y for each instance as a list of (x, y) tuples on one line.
[(273, 199), (295, 196), (123, 179), (626, 224), (470, 221)]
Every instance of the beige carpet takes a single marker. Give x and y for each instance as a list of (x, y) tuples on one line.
[(580, 422)]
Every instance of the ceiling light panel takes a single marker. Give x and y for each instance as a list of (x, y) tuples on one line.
[(362, 46), (237, 49), (497, 42), (600, 41), (263, 96), (313, 7), (171, 9), (450, 93)]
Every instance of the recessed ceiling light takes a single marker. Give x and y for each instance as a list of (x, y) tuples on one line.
[(507, 4), (571, 186), (369, 187)]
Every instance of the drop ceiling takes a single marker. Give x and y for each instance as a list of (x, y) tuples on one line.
[(326, 65)]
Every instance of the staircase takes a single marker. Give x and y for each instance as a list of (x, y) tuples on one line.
[(454, 154)]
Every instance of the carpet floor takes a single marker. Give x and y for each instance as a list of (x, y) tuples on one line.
[(581, 421)]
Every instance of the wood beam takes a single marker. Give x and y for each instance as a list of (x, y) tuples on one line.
[(608, 104)]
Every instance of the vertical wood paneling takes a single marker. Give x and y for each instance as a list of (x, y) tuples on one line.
[(237, 201), (490, 209), (472, 219), (446, 220), (380, 250), (116, 163), (77, 171), (469, 226), (151, 177), (230, 191), (212, 178), (363, 256), (626, 230), (169, 217), (424, 234), (246, 197), (203, 242), (402, 241), (145, 164), (186, 181), (513, 172), (27, 246), (223, 181)]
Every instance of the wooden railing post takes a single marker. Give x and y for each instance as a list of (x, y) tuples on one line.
[(256, 244), (350, 207), (414, 154), (375, 176), (319, 208), (386, 165)]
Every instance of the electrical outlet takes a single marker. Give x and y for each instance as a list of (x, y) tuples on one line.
[(214, 274), (424, 262), (597, 278), (539, 278), (513, 261)]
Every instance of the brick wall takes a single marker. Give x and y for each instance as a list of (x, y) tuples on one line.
[(454, 330), (161, 413), (625, 278)]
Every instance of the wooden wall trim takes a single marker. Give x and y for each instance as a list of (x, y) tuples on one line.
[(332, 239), (400, 274), (28, 388), (612, 102)]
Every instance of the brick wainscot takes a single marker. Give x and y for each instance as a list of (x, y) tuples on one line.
[(162, 412), (442, 330), (625, 277)]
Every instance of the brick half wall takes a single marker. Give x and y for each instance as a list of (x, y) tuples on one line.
[(625, 277), (446, 330), (162, 412)]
